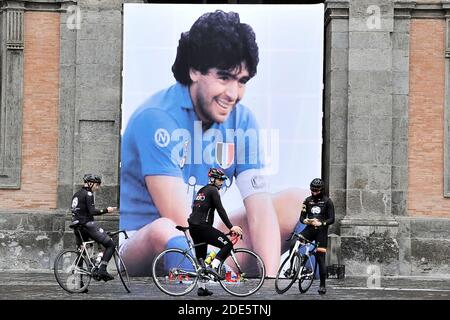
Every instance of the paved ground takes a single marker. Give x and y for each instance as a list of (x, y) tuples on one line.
[(43, 286)]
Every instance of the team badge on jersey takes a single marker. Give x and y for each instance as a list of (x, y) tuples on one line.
[(74, 202), (315, 210), (225, 154), (200, 197)]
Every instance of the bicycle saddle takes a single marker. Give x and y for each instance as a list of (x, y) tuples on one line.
[(74, 224), (182, 228)]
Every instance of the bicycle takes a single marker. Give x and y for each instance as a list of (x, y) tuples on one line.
[(297, 266), (176, 271), (74, 269)]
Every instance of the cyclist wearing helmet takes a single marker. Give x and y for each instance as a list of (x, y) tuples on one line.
[(201, 221), (83, 211), (318, 214)]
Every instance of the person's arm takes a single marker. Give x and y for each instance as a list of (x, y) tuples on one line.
[(330, 212), (303, 218), (220, 210), (169, 196), (91, 206), (264, 230), (159, 163)]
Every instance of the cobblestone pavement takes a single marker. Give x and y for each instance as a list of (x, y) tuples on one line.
[(43, 286)]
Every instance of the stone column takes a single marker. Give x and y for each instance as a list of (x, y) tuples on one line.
[(368, 231), (446, 7), (90, 100), (11, 92), (336, 100)]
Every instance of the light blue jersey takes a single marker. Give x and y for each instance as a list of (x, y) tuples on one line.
[(164, 137)]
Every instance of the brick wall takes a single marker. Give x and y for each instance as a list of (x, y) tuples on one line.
[(40, 115), (426, 120)]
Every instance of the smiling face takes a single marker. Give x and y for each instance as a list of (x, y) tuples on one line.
[(215, 93)]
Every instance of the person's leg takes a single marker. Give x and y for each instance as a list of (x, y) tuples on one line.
[(138, 252), (320, 256), (218, 239), (322, 239), (197, 233), (100, 236)]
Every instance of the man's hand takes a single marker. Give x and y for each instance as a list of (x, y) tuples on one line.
[(111, 209), (316, 223), (236, 229)]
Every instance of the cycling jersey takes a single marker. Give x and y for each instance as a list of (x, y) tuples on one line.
[(206, 202), (83, 207), (321, 208)]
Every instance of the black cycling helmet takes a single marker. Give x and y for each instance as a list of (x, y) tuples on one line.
[(217, 174), (316, 184), (94, 178)]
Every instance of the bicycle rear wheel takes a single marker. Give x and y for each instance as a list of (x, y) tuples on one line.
[(244, 273), (174, 272), (288, 273), (122, 271), (307, 272), (72, 271)]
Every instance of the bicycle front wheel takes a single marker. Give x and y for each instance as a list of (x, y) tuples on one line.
[(307, 272), (288, 273), (72, 271), (244, 273), (174, 272), (122, 271)]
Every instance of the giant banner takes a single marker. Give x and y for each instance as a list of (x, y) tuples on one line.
[(238, 89)]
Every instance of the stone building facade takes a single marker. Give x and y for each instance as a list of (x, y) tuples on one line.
[(386, 127)]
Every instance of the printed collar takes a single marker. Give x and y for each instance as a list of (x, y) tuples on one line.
[(185, 97)]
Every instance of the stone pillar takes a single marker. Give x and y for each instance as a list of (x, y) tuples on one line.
[(334, 167), (446, 7), (400, 106), (90, 99), (11, 92), (369, 230)]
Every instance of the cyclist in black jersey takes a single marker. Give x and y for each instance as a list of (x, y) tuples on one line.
[(201, 220), (318, 213), (83, 211)]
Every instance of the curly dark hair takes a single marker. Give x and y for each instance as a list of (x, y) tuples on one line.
[(216, 40)]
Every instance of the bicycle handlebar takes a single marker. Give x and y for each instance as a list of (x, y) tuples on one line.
[(111, 234), (301, 238)]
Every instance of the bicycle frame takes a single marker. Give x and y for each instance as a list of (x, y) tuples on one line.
[(309, 251), (198, 266), (84, 252)]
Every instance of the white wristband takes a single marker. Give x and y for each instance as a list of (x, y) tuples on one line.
[(252, 182)]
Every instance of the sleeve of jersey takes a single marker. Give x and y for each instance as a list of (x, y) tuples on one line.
[(220, 209), (250, 158), (91, 205), (152, 132), (303, 213), (330, 211)]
